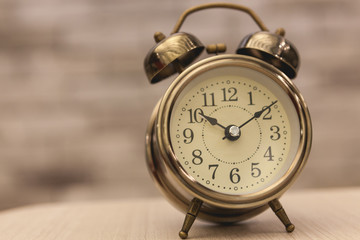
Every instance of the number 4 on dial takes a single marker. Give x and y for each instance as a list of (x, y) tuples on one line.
[(269, 154)]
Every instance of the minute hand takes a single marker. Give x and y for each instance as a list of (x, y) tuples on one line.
[(257, 114)]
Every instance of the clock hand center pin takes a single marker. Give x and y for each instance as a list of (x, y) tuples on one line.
[(232, 133)]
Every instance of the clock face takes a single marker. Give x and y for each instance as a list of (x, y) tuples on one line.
[(234, 130)]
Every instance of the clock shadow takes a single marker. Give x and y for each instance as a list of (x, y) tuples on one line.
[(252, 229)]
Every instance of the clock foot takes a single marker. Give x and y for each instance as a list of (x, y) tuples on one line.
[(190, 217), (281, 214)]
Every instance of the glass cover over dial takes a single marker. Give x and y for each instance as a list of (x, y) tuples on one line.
[(234, 130)]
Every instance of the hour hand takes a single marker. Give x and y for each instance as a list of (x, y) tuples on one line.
[(211, 120)]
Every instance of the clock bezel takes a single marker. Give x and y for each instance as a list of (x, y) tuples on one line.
[(190, 185)]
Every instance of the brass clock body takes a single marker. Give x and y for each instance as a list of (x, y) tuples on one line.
[(232, 132), (180, 187)]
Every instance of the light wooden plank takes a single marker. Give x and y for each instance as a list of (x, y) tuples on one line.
[(317, 214)]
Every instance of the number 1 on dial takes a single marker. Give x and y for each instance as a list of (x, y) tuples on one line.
[(251, 98)]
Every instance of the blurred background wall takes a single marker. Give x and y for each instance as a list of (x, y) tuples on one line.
[(74, 99)]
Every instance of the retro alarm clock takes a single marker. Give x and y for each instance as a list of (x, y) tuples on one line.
[(232, 132)]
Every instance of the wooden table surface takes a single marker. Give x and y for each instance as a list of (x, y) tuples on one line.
[(317, 214)]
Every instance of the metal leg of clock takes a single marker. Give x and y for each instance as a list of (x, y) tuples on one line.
[(281, 214), (190, 217)]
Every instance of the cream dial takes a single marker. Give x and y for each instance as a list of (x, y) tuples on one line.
[(234, 130)]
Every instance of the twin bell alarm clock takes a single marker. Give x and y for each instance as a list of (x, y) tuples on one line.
[(232, 132)]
